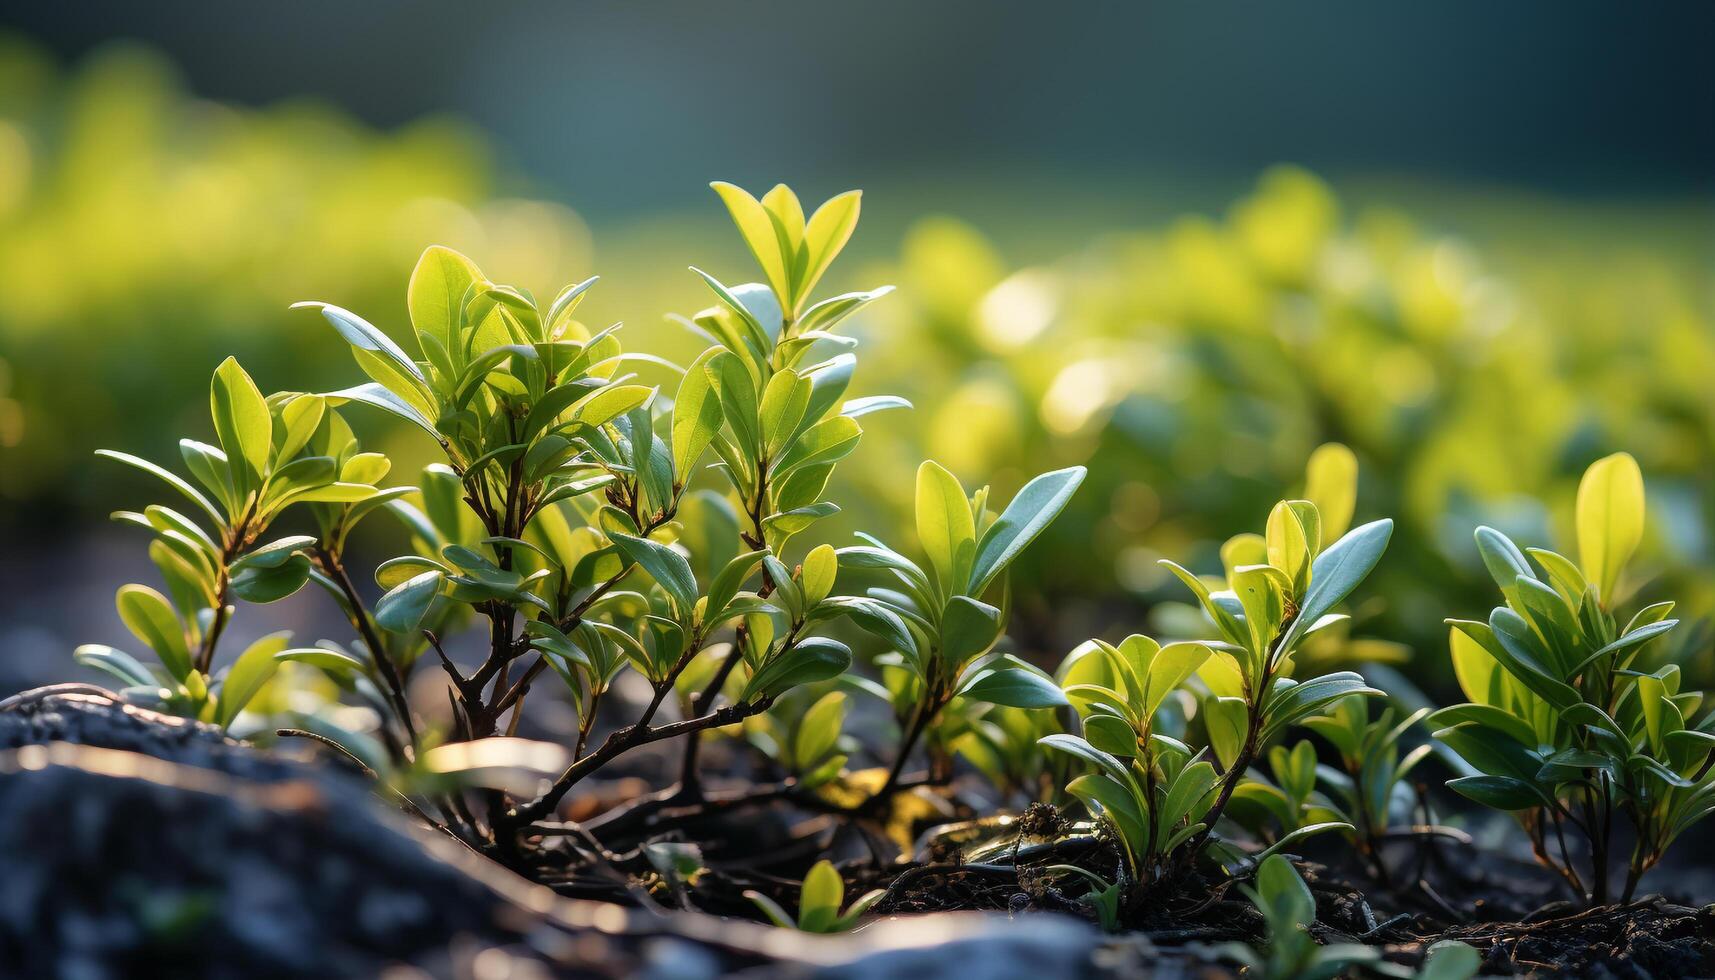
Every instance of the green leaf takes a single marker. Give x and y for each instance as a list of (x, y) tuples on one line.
[(788, 523), (298, 421), (969, 628), (253, 668), (825, 235), (1337, 572), (1499, 792), (858, 407), (696, 415), (1505, 562), (211, 468), (828, 441), (1171, 667), (738, 402), (1037, 504), (377, 396), (819, 729), (784, 400), (335, 662), (117, 662), (819, 901), (149, 617), (611, 402), (241, 419), (1450, 959), (829, 312), (1285, 896), (362, 335), (666, 566), (1259, 589), (945, 526), (271, 581), (1074, 746), (772, 249), (402, 609), (815, 659), (168, 478), (435, 296), (771, 909), (1610, 519), (275, 553), (1015, 688), (821, 567)]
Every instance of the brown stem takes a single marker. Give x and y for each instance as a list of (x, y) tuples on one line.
[(627, 738), (587, 723), (689, 779), (365, 627), (919, 724)]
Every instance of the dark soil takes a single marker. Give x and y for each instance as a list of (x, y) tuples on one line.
[(135, 844)]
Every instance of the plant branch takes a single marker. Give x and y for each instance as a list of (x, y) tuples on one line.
[(365, 626), (628, 738)]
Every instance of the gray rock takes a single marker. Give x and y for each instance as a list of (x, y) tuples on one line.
[(134, 844)]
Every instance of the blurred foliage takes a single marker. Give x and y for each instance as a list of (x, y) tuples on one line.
[(129, 210), (1193, 368)]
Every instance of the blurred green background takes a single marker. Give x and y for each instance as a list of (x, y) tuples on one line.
[(1485, 264)]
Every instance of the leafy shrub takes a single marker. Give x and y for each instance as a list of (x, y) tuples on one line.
[(1162, 796), (1193, 365), (1568, 724), (564, 519)]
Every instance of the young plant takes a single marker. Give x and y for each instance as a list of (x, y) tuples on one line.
[(1568, 724), (938, 627), (819, 901), (270, 456), (1281, 587), (1160, 796), (562, 517), (1289, 909), (1370, 788), (1285, 800)]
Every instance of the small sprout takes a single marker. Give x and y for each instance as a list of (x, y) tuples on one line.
[(820, 899)]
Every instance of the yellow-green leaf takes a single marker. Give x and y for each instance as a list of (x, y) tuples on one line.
[(437, 290), (1331, 482), (757, 228), (1291, 542), (944, 525), (826, 234), (819, 902), (150, 617), (821, 566), (241, 419), (1610, 519)]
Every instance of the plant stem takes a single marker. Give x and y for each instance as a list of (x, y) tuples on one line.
[(919, 724), (360, 621), (630, 737), (690, 780)]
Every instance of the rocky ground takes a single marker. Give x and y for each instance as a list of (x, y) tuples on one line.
[(135, 844)]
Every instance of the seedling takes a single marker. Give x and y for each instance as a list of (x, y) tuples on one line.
[(819, 902), (939, 630), (1281, 587), (1370, 787), (1289, 910), (1568, 724)]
